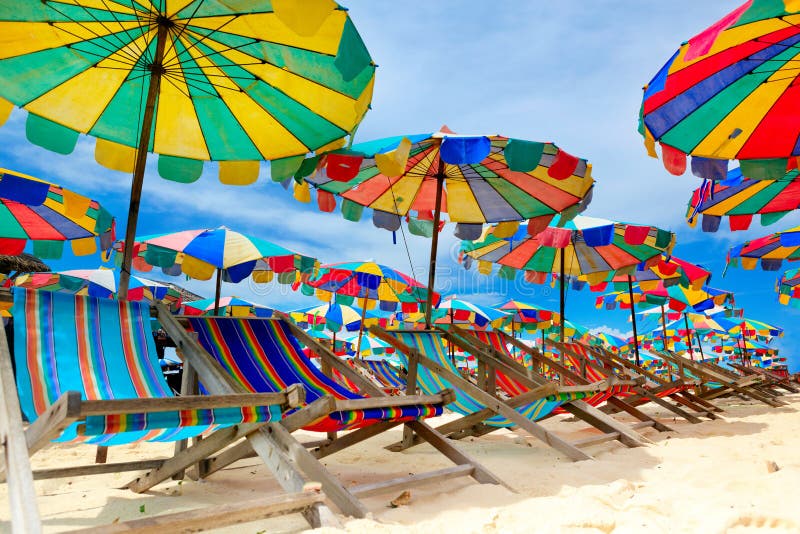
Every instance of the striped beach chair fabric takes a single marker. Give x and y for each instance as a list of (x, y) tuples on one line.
[(386, 373)]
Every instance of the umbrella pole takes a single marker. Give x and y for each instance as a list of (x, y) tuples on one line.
[(562, 300), (333, 343), (664, 327), (688, 336), (156, 70), (699, 345), (437, 215), (217, 292), (633, 319), (361, 326)]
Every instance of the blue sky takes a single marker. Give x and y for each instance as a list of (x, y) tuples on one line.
[(570, 72)]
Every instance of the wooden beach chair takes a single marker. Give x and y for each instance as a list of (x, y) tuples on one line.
[(264, 355), (719, 383), (770, 378), (390, 377), (430, 368), (87, 372), (680, 391)]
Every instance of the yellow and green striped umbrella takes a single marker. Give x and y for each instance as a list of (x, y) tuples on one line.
[(191, 80)]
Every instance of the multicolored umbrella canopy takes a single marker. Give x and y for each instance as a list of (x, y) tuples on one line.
[(730, 93), (227, 306), (740, 198), (669, 271), (48, 215), (788, 288), (525, 316), (459, 312), (474, 179), (237, 82), (677, 298), (100, 283), (369, 345), (333, 317), (768, 251)]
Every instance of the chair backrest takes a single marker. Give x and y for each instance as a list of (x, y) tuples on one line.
[(386, 373), (264, 356), (102, 348), (506, 384)]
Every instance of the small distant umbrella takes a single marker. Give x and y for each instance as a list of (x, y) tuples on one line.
[(101, 283), (48, 216), (231, 255), (770, 251), (788, 288), (228, 306)]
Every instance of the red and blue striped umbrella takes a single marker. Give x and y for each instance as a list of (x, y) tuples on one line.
[(770, 251)]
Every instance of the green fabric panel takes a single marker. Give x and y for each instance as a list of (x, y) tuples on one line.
[(663, 238), (620, 286), (653, 299), (542, 261), (526, 205), (103, 221), (352, 58), (120, 121), (309, 128), (159, 256), (307, 290), (319, 68), (344, 300), (307, 168), (762, 9), (420, 228), (507, 273), (523, 156), (281, 169), (763, 169), (11, 228), (269, 249), (363, 175), (213, 8), (304, 264), (286, 278), (772, 218), (39, 11), (688, 133), (223, 134), (753, 204), (181, 170), (50, 135), (352, 211), (71, 283), (48, 250)]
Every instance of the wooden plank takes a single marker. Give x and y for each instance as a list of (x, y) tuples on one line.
[(488, 400), (313, 412), (213, 517), (642, 424), (21, 493), (293, 396), (285, 458), (444, 397), (49, 425), (351, 438), (96, 469), (189, 386), (596, 440), (406, 482)]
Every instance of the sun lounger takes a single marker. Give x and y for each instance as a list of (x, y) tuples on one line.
[(389, 376), (770, 378), (264, 355), (87, 372), (429, 368)]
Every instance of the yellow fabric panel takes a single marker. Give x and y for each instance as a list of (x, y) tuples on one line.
[(336, 107), (270, 137), (506, 229), (20, 38), (114, 156), (268, 27), (386, 292), (238, 249), (649, 142), (461, 203), (749, 264), (734, 36), (573, 185), (368, 303), (648, 285), (394, 163), (79, 101), (324, 296), (238, 172), (306, 17), (84, 247), (370, 268), (178, 129), (791, 5), (240, 311), (333, 145), (83, 220), (363, 102), (746, 116), (197, 269), (302, 193), (263, 277), (6, 108), (784, 299), (595, 278), (485, 267), (75, 205), (105, 5), (401, 195), (174, 6)]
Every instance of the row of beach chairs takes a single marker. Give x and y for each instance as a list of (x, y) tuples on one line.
[(86, 371)]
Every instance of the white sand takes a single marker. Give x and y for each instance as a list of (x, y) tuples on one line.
[(710, 477)]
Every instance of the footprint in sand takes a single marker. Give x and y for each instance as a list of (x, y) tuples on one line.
[(764, 522)]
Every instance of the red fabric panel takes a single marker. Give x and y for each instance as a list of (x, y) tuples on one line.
[(326, 202), (343, 167), (563, 165), (701, 44), (635, 235), (673, 159), (555, 237), (281, 264), (12, 247), (776, 134), (740, 222), (787, 200)]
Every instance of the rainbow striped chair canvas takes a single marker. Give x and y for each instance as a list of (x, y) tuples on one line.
[(87, 372)]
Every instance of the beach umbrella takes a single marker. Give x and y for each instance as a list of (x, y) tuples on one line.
[(459, 311), (231, 255), (101, 283), (788, 288), (227, 306), (474, 179), (669, 271), (333, 317), (48, 215), (371, 283), (525, 316), (740, 198), (586, 247), (730, 93), (231, 81), (369, 345), (768, 251)]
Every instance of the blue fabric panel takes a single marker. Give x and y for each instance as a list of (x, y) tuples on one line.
[(790, 239), (464, 150), (710, 169), (660, 79), (208, 247), (23, 190), (599, 236), (237, 273)]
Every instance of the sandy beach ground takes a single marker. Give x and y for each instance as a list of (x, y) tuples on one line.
[(710, 477)]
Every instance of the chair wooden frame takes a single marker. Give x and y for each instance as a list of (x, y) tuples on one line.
[(770, 377)]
